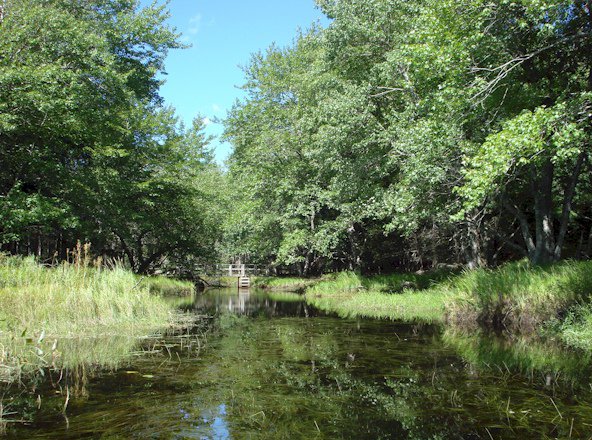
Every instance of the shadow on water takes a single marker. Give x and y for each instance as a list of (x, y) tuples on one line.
[(275, 368)]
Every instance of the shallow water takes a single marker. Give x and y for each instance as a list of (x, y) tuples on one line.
[(272, 367)]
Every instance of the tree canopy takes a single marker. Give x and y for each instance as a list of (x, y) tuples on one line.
[(419, 133), (88, 151), (402, 135)]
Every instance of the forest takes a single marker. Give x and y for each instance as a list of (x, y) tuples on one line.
[(89, 151), (412, 178), (416, 134), (402, 136)]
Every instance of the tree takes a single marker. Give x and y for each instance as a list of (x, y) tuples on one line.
[(88, 151)]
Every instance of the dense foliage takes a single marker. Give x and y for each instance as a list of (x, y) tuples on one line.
[(87, 150), (403, 135), (410, 134)]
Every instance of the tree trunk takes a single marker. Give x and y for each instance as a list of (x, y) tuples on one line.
[(567, 204), (475, 254), (543, 210), (588, 252)]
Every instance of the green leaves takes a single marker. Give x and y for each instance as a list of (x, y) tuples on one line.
[(529, 138), (414, 119)]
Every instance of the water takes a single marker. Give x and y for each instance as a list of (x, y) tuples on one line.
[(270, 367)]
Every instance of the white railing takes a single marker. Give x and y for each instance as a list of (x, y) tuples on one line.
[(231, 270)]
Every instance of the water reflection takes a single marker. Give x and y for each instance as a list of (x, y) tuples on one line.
[(273, 368), (253, 303)]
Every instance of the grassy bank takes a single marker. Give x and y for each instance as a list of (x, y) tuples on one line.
[(41, 307), (518, 296), (515, 297), (406, 297), (285, 284), (161, 285)]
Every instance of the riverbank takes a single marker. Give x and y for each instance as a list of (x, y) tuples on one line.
[(516, 297), (41, 309), (405, 297), (161, 285), (284, 284)]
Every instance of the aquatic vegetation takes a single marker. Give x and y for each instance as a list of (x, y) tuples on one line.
[(392, 297), (268, 376), (168, 286), (41, 308)]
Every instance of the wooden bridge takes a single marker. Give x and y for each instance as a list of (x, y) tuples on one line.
[(243, 272)]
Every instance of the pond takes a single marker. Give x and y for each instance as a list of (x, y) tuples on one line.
[(267, 366)]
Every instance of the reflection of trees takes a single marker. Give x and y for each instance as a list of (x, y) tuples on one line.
[(304, 373), (308, 378), (532, 357), (291, 378), (60, 372), (537, 386)]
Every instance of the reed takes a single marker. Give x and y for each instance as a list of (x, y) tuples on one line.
[(162, 285), (40, 306)]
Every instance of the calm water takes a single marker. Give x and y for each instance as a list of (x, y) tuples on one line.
[(270, 367)]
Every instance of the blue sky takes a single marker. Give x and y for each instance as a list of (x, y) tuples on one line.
[(223, 33)]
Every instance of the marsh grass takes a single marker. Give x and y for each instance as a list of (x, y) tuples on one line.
[(41, 309), (162, 285), (393, 297), (576, 328), (518, 296), (287, 284)]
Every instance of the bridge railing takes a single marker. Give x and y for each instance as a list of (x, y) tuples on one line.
[(231, 270)]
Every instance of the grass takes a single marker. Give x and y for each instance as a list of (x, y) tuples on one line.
[(41, 306), (162, 285), (576, 327), (286, 284), (386, 296), (516, 296)]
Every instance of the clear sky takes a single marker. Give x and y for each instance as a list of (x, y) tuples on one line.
[(223, 33)]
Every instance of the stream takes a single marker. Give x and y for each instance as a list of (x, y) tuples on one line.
[(267, 366)]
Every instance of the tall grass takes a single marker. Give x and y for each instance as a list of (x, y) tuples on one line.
[(162, 285), (518, 295), (40, 306), (515, 296), (390, 296), (576, 328)]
